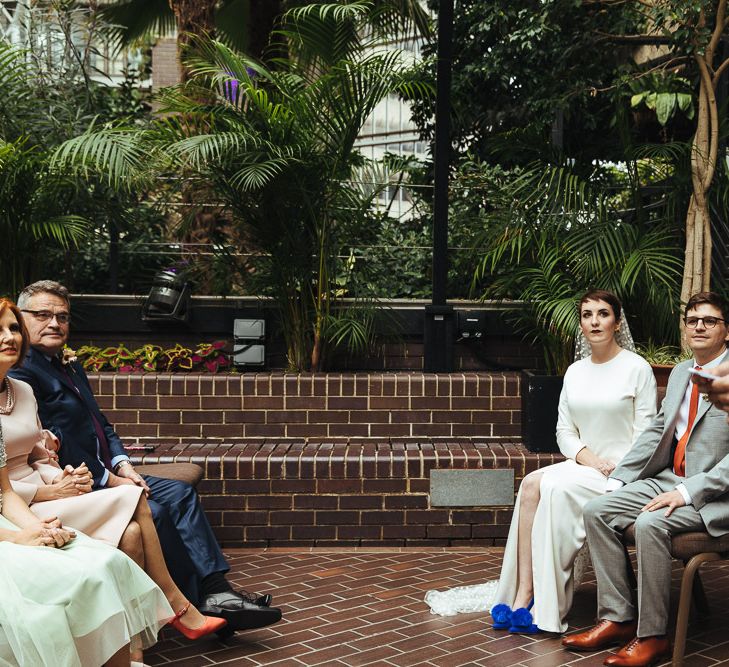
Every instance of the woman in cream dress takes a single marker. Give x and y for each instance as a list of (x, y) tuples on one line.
[(607, 401)]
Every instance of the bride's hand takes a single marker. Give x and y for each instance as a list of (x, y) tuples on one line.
[(604, 466)]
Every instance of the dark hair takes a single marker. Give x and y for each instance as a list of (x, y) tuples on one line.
[(43, 287), (7, 303), (712, 298), (607, 297)]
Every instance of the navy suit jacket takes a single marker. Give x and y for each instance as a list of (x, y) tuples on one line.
[(67, 412)]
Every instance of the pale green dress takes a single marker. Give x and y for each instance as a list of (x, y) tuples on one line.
[(74, 606)]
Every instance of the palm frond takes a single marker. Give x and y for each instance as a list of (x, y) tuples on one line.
[(66, 230), (116, 154)]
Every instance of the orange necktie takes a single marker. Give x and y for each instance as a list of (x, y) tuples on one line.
[(679, 456)]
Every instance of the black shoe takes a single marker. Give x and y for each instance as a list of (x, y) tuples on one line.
[(239, 612), (260, 600)]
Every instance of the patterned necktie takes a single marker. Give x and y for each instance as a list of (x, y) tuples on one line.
[(679, 456)]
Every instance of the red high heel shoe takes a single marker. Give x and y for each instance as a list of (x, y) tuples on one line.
[(210, 624)]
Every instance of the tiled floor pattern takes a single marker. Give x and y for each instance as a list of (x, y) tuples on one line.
[(365, 607)]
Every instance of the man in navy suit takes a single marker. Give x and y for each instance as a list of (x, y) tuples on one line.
[(67, 407)]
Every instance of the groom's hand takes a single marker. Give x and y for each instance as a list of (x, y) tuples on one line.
[(670, 499)]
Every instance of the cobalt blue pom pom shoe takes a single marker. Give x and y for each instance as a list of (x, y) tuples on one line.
[(501, 614), (522, 622)]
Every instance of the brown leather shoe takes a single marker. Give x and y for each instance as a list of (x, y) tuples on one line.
[(605, 633), (641, 652)]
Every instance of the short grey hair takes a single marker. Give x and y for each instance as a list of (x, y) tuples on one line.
[(42, 287)]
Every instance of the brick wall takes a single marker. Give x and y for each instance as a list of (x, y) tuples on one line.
[(332, 407), (347, 494), (329, 459)]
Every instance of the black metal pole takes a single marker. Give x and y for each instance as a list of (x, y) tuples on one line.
[(438, 334)]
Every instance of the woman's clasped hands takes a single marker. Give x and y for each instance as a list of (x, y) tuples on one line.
[(73, 481), (49, 533)]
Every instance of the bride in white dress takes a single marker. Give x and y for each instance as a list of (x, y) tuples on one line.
[(608, 399)]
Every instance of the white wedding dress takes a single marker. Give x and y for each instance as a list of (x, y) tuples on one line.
[(603, 406)]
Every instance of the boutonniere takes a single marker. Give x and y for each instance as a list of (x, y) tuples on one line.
[(67, 356)]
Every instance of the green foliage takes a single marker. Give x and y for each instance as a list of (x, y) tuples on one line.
[(662, 355), (203, 358), (518, 64), (235, 20), (562, 234), (665, 93), (277, 147), (36, 201), (47, 97)]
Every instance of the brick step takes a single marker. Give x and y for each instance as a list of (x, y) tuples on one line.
[(302, 494)]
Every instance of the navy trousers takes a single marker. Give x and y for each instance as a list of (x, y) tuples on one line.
[(188, 542)]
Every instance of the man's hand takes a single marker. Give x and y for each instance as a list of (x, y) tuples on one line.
[(115, 480), (670, 499), (127, 471)]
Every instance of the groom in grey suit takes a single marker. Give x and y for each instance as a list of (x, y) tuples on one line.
[(675, 479)]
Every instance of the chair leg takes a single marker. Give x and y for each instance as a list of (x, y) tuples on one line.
[(684, 603)]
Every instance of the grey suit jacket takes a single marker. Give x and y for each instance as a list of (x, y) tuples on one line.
[(707, 452)]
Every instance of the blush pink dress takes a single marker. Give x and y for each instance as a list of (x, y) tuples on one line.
[(102, 514)]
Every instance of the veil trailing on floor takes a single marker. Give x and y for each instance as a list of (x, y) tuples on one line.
[(478, 598)]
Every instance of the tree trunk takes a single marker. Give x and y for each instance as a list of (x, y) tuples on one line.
[(195, 18), (697, 264)]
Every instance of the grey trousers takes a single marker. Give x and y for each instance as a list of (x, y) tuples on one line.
[(606, 517)]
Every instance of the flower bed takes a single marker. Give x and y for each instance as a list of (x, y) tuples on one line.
[(204, 357)]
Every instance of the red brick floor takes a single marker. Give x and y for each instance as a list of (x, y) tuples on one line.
[(365, 607)]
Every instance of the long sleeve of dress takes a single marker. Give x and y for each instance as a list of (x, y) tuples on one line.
[(646, 397), (568, 437)]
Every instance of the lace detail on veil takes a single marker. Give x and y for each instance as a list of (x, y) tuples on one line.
[(623, 337)]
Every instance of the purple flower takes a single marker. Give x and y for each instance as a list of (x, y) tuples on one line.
[(230, 89)]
